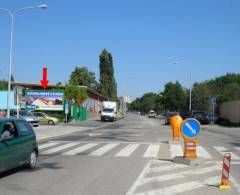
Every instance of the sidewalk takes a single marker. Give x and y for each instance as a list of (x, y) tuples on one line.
[(45, 132)]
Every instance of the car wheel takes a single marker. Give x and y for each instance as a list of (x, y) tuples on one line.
[(50, 122), (32, 162)]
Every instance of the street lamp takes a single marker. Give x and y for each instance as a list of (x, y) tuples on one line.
[(190, 84), (12, 15)]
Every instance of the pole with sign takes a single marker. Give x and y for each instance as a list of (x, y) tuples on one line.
[(190, 131), (213, 102), (66, 111)]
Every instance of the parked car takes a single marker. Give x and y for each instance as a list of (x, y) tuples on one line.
[(152, 114), (201, 116), (211, 118), (29, 117), (168, 116), (45, 119), (19, 147)]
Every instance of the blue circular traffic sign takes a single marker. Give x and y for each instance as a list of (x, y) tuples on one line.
[(190, 128)]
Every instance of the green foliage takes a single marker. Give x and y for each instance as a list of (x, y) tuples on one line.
[(144, 104), (174, 97), (3, 85), (75, 93), (81, 76), (224, 88), (108, 85), (201, 95)]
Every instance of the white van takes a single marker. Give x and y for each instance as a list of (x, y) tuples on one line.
[(152, 114)]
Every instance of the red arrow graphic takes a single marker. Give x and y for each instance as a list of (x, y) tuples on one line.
[(44, 81)]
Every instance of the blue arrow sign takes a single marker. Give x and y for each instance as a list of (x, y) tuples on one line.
[(190, 128)]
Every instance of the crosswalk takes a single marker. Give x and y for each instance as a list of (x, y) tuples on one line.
[(168, 178), (123, 150)]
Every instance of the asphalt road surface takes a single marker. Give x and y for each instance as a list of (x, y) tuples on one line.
[(130, 156)]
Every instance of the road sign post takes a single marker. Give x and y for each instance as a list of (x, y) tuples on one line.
[(66, 110), (190, 129), (213, 102)]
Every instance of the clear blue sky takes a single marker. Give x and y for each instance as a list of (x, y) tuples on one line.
[(145, 37)]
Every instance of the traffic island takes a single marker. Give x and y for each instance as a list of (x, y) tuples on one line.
[(189, 161)]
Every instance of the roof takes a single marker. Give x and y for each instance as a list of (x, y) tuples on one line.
[(38, 85)]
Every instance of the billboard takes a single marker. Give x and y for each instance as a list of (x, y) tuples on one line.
[(45, 99)]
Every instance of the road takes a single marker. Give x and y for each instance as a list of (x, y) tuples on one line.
[(130, 156)]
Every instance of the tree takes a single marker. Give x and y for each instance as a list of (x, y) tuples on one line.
[(3, 85), (148, 102), (12, 78), (76, 94), (108, 85), (81, 76), (174, 97), (231, 92), (201, 95)]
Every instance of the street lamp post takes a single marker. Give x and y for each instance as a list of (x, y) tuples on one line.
[(12, 15), (190, 85)]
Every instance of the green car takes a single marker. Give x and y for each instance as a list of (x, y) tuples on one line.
[(18, 145), (44, 119)]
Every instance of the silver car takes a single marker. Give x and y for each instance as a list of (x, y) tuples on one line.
[(29, 117)]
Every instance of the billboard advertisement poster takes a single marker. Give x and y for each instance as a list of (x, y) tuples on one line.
[(45, 100)]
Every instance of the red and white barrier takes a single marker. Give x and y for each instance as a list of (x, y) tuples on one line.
[(225, 171)]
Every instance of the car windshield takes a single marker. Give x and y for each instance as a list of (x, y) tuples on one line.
[(25, 113), (108, 110)]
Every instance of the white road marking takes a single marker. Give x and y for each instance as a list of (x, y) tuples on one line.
[(136, 183), (59, 148), (152, 151), (234, 183), (176, 150), (201, 152), (80, 149), (179, 175), (165, 168), (235, 163), (128, 150), (103, 150), (222, 150), (184, 187), (47, 145)]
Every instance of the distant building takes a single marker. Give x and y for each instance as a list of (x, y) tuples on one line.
[(126, 99), (123, 100)]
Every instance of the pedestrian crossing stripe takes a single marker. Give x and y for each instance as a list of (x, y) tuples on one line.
[(152, 151), (59, 148), (80, 149), (176, 150), (222, 150), (169, 181), (125, 150), (128, 150), (104, 149), (180, 188), (47, 145)]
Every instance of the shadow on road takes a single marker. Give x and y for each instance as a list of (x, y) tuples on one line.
[(39, 167)]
